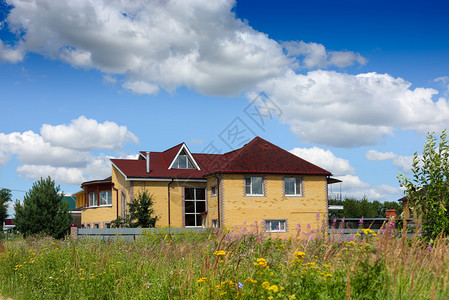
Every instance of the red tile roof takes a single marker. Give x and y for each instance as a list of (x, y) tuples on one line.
[(256, 157)]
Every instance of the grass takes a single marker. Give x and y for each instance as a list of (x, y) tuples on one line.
[(242, 263)]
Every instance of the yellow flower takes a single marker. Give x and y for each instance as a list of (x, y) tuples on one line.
[(224, 293), (220, 253), (292, 297), (265, 284), (274, 288), (202, 279), (300, 254)]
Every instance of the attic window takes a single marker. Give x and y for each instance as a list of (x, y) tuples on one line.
[(182, 161)]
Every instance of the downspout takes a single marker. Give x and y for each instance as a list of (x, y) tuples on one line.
[(168, 193), (116, 194), (218, 200)]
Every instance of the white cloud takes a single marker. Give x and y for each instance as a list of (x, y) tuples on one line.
[(376, 155), (87, 134), (325, 159), (444, 80), (352, 186), (197, 44), (59, 174), (11, 54), (343, 110), (32, 149), (315, 55), (404, 163), (109, 79), (64, 151), (141, 87), (4, 158)]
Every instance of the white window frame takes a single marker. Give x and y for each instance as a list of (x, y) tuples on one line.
[(281, 228), (94, 202), (108, 200), (298, 183), (251, 194), (189, 157)]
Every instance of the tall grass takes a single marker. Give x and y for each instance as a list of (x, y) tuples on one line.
[(243, 263)]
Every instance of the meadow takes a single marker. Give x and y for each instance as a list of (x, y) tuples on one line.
[(242, 263)]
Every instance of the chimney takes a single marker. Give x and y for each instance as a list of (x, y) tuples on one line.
[(391, 213), (148, 162)]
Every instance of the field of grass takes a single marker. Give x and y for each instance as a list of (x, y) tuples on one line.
[(242, 264)]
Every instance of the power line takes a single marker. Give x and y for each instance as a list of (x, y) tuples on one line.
[(14, 190)]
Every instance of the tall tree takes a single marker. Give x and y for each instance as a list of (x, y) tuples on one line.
[(43, 211), (427, 191), (5, 197)]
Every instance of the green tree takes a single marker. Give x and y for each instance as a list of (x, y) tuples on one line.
[(43, 211), (428, 190), (5, 197), (362, 208), (141, 210)]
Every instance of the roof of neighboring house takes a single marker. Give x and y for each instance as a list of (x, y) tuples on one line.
[(71, 201), (257, 157), (9, 222)]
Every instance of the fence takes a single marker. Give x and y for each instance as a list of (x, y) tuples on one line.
[(128, 233)]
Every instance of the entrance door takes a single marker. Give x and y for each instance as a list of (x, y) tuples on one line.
[(194, 205)]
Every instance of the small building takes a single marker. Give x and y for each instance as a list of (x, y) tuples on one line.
[(259, 182)]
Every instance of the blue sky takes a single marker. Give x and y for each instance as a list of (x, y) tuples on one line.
[(353, 86)]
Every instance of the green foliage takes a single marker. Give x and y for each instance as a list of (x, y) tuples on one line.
[(141, 210), (428, 190), (214, 265), (5, 197), (43, 211), (140, 213), (355, 208)]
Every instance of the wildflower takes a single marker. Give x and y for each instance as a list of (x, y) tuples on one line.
[(265, 284), (333, 221), (292, 297), (224, 293), (300, 254), (220, 253), (202, 279), (261, 262), (274, 288), (251, 280), (240, 285)]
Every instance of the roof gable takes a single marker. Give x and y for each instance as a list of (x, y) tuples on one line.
[(184, 149)]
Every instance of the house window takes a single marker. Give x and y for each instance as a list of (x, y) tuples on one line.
[(292, 186), (195, 206), (275, 225), (106, 198), (214, 223), (182, 161), (93, 199), (254, 186), (213, 190), (96, 225)]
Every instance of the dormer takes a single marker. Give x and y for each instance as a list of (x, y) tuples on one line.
[(184, 160)]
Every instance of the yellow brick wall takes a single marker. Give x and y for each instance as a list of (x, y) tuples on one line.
[(239, 209)]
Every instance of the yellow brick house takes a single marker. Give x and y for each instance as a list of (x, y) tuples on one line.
[(259, 182)]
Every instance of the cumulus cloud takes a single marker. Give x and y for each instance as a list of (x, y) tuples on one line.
[(325, 159), (198, 44), (343, 110), (315, 55), (11, 54), (64, 152), (141, 87), (353, 186), (404, 163), (87, 134)]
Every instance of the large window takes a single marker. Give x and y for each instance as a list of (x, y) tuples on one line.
[(195, 205), (93, 199), (292, 186), (106, 198), (275, 225), (254, 186), (183, 161)]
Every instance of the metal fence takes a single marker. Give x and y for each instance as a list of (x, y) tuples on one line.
[(129, 234)]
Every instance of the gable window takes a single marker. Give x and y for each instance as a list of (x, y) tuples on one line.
[(292, 186), (105, 197), (275, 225), (254, 186), (182, 161), (213, 190), (93, 199)]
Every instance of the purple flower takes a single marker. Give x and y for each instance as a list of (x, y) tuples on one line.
[(334, 220), (240, 285), (361, 221), (342, 220), (317, 215)]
